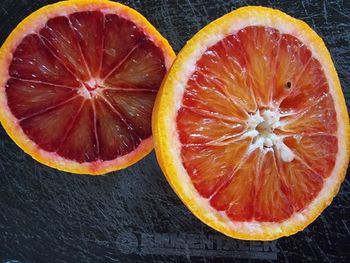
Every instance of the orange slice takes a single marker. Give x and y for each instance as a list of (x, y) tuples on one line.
[(78, 80), (251, 127)]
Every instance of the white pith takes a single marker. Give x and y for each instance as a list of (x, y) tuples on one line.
[(261, 129), (84, 92), (199, 205), (91, 88)]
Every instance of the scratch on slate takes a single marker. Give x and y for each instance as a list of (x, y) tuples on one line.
[(5, 11), (194, 14), (324, 255), (346, 227), (325, 13), (340, 12), (306, 12), (283, 253)]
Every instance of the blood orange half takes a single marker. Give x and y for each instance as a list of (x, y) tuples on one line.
[(251, 127), (78, 80)]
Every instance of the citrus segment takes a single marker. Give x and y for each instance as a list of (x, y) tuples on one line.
[(251, 126), (120, 38), (224, 67), (206, 96), (115, 136), (128, 105), (142, 68), (32, 60), (293, 57), (48, 127), (309, 86), (80, 143), (299, 183), (59, 36), (260, 47), (196, 127), (79, 87), (26, 97), (208, 178), (238, 194), (271, 203), (318, 151), (318, 116), (89, 30)]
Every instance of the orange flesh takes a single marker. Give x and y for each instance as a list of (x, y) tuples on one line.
[(257, 68), (84, 86)]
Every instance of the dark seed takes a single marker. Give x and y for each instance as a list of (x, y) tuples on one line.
[(288, 85)]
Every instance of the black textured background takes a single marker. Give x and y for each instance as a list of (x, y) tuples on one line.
[(133, 215)]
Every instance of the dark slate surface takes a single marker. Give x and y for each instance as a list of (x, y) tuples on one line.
[(133, 215)]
